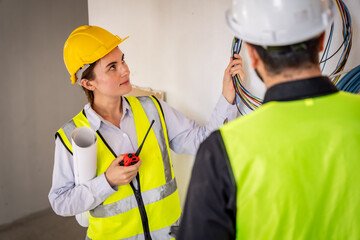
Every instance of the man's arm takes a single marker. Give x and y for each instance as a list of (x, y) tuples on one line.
[(210, 209)]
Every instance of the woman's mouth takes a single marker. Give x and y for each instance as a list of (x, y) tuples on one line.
[(124, 83)]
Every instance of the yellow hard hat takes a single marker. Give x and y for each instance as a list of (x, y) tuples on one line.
[(87, 44)]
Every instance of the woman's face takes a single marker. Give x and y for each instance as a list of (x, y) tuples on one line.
[(112, 75)]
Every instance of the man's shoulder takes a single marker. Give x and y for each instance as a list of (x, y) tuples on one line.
[(212, 140), (355, 97), (250, 120)]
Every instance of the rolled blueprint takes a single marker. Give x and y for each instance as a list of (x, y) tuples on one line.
[(84, 152)]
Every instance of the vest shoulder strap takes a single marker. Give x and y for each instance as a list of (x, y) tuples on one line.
[(64, 133), (147, 98)]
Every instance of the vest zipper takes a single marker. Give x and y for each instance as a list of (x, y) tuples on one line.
[(137, 194), (139, 200)]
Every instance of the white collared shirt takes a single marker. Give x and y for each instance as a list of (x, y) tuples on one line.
[(184, 134)]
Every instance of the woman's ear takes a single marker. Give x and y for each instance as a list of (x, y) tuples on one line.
[(87, 84)]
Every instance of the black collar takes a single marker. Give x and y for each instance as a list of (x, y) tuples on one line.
[(300, 89)]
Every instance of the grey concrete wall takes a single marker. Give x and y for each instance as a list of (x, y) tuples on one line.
[(36, 97)]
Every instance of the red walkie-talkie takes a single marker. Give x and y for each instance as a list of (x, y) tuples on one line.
[(133, 158)]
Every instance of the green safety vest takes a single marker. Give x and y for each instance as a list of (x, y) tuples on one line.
[(130, 214), (297, 169)]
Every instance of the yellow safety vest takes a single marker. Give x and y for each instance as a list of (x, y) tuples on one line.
[(297, 169), (130, 213)]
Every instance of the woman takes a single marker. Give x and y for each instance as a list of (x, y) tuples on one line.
[(136, 201)]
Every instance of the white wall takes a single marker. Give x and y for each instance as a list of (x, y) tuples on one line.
[(183, 47), (36, 98)]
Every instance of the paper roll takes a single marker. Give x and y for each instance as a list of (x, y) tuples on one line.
[(84, 144)]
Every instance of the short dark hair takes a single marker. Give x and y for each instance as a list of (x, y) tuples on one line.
[(89, 75), (276, 59)]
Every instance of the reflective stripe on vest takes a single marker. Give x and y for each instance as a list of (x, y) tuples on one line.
[(128, 203), (296, 165), (157, 234), (118, 217), (160, 134), (64, 133)]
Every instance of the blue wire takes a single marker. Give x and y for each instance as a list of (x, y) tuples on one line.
[(347, 77), (356, 88), (353, 84), (345, 33), (345, 46), (348, 13), (239, 104), (351, 81), (248, 93), (328, 49)]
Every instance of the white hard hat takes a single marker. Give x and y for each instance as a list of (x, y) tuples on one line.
[(279, 22)]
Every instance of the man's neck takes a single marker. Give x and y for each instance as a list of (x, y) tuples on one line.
[(291, 75)]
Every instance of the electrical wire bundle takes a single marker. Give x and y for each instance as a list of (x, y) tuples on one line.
[(351, 81), (347, 33), (250, 101)]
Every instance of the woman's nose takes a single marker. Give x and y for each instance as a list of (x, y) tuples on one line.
[(125, 70)]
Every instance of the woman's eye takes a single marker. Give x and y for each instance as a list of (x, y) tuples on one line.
[(112, 68)]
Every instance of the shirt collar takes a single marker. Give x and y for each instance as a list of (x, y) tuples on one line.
[(95, 119), (300, 89), (126, 108)]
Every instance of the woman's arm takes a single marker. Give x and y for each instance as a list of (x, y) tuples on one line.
[(65, 198)]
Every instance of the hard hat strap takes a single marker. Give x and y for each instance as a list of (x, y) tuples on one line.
[(80, 72)]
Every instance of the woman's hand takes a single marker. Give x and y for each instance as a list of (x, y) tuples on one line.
[(234, 67), (117, 175)]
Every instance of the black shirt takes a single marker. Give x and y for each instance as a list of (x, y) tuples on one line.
[(210, 208)]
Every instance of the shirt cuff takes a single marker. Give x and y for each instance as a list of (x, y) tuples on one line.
[(225, 109), (101, 187)]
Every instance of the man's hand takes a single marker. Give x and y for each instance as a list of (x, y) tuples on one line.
[(117, 175), (234, 67)]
